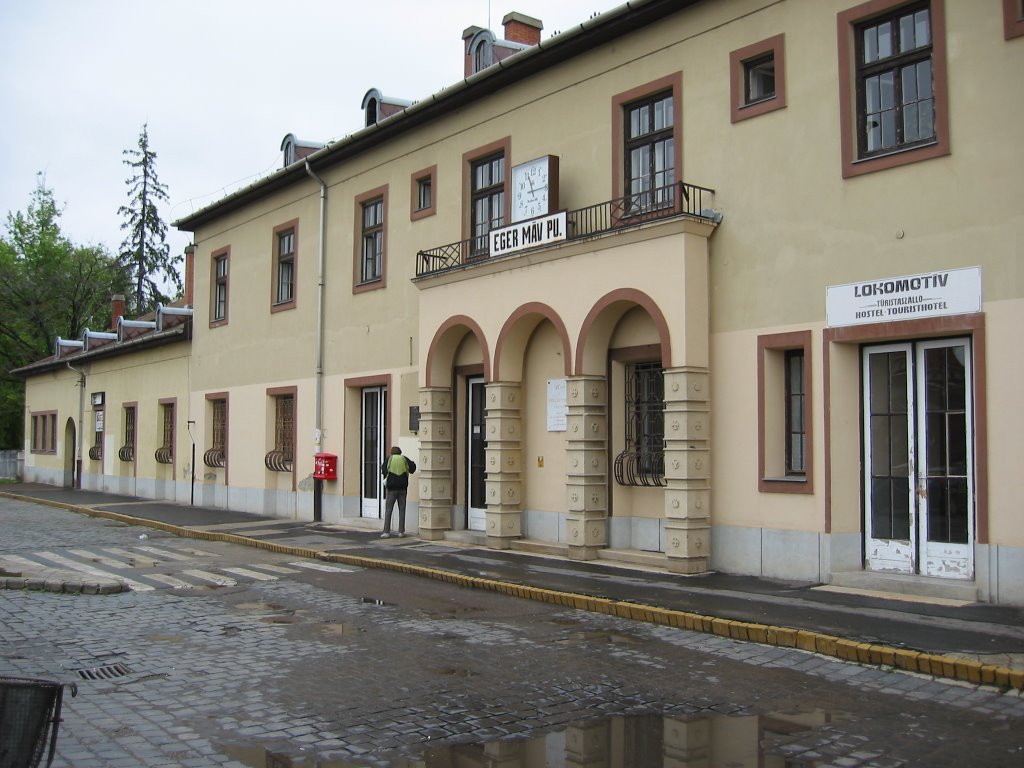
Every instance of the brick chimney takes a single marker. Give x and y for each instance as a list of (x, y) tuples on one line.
[(116, 310), (190, 272), (520, 28)]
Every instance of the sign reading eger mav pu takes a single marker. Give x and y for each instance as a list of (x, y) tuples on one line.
[(528, 234), (912, 297)]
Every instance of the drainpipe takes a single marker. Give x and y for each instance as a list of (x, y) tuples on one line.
[(81, 425), (318, 407)]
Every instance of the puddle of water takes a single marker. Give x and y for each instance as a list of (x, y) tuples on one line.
[(591, 637), (340, 629), (791, 738)]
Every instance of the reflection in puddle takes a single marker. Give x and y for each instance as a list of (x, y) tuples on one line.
[(373, 601), (778, 740)]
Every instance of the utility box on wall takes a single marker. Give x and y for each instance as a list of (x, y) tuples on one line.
[(325, 466)]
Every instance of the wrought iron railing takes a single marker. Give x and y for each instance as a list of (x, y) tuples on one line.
[(96, 452), (164, 454), (126, 453), (637, 468), (214, 457), (278, 461), (630, 211)]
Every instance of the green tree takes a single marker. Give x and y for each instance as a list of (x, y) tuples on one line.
[(145, 254), (49, 287)]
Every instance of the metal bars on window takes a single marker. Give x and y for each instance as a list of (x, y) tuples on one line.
[(281, 457), (214, 457), (165, 453), (642, 462), (127, 451)]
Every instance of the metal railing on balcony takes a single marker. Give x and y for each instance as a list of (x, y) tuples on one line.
[(637, 208)]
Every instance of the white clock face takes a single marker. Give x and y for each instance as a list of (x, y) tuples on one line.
[(530, 190)]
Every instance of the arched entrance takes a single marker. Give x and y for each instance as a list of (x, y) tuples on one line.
[(72, 465)]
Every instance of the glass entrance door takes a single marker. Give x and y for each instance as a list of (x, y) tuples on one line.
[(918, 494), (476, 474), (372, 449)]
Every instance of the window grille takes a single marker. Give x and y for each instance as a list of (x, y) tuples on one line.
[(642, 462)]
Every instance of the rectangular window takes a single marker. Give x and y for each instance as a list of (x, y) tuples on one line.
[(165, 453), (371, 257), (96, 450), (759, 79), (44, 432), (218, 414), (281, 456), (796, 434), (487, 212), (219, 312), (424, 194), (784, 412), (127, 451), (893, 97), (285, 267), (424, 186), (757, 75), (285, 274), (642, 462), (650, 171), (895, 101)]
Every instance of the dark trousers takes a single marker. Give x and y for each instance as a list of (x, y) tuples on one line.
[(398, 494)]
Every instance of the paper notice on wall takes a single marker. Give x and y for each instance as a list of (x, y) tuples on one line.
[(558, 409)]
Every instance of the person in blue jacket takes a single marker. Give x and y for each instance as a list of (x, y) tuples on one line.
[(396, 470)]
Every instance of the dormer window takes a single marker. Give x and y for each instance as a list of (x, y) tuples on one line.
[(371, 111), (481, 50)]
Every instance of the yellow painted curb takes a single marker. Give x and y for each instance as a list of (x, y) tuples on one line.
[(936, 665)]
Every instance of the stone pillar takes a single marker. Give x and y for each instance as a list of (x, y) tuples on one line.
[(587, 454), (687, 742), (434, 470), (687, 470), (504, 459), (586, 745)]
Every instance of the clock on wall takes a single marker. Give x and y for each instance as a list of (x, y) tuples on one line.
[(534, 188)]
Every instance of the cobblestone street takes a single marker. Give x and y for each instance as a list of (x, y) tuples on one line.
[(376, 668)]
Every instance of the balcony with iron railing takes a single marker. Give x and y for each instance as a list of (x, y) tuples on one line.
[(633, 210)]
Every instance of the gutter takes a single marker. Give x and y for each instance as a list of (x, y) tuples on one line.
[(318, 401), (576, 41)]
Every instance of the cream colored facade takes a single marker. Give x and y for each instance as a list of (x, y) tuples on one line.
[(506, 377)]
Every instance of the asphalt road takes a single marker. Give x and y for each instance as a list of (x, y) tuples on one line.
[(309, 667)]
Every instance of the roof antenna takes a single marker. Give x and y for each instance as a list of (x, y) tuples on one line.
[(488, 14)]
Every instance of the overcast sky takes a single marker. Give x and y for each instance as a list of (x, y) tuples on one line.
[(219, 83)]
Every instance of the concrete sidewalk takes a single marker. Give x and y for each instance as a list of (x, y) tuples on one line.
[(972, 642)]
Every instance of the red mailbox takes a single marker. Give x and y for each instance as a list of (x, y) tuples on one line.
[(325, 466)]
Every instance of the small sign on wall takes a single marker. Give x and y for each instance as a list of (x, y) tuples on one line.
[(558, 408), (911, 297)]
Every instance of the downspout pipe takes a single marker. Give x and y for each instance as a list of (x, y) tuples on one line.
[(318, 404), (80, 432)]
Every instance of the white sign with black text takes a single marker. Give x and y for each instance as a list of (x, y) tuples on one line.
[(528, 234), (558, 408), (911, 297)]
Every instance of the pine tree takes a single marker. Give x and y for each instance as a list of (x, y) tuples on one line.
[(49, 287), (145, 254)]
